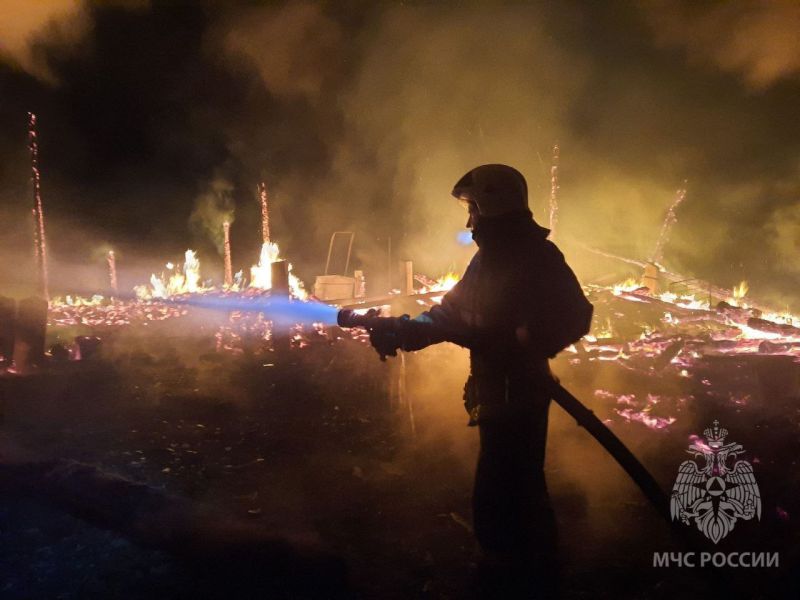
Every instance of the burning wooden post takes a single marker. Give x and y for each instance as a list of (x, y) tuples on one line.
[(554, 193), (408, 280), (280, 278), (669, 220), (112, 273), (29, 333), (389, 262), (360, 288), (650, 278), (40, 244), (264, 197), (226, 228), (8, 314), (280, 289)]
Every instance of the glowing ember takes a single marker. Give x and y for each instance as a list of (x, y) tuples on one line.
[(645, 418), (554, 193), (98, 312), (636, 410), (262, 194), (40, 244)]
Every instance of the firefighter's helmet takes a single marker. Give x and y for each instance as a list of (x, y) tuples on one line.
[(494, 189)]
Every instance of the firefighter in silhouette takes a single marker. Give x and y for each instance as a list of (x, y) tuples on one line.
[(517, 305)]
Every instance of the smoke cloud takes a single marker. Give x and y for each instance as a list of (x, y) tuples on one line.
[(361, 116), (212, 208), (294, 47), (26, 26), (785, 225), (757, 40)]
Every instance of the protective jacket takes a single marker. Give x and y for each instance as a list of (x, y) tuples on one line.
[(517, 305)]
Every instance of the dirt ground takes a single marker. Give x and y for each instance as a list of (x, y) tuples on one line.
[(328, 448)]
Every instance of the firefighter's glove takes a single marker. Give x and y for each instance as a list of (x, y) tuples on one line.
[(386, 343), (387, 336)]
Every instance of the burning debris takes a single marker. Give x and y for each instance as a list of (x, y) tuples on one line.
[(641, 330), (443, 284), (632, 327), (685, 347)]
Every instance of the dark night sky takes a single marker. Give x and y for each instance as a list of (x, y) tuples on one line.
[(362, 115)]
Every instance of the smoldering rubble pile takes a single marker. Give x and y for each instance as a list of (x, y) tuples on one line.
[(97, 312), (644, 332), (667, 349), (632, 328), (667, 352)]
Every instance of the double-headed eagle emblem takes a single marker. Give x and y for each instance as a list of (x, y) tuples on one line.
[(715, 495)]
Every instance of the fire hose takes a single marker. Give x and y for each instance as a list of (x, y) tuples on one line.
[(371, 321)]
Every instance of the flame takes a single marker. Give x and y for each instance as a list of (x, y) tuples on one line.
[(261, 274), (684, 300), (784, 318), (741, 290), (445, 283), (733, 334), (184, 280), (628, 285), (606, 331), (76, 301), (738, 293), (748, 333)]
